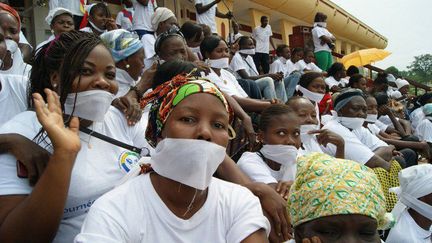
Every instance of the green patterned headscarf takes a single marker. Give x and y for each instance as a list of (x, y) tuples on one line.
[(168, 95), (326, 186)]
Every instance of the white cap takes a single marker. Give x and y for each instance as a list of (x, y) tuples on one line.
[(401, 82), (56, 12), (391, 78)]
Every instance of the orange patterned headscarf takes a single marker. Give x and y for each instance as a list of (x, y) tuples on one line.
[(168, 95)]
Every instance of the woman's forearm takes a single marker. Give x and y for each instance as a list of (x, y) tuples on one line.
[(252, 105), (38, 216)]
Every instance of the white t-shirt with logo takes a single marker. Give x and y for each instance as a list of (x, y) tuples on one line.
[(262, 37), (209, 16), (354, 148), (98, 167), (317, 32), (123, 21), (134, 212), (13, 96), (227, 83), (142, 15), (240, 63)]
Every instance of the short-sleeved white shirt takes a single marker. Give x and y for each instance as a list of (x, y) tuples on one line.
[(256, 168), (142, 15), (123, 21), (240, 63), (369, 139), (262, 35), (279, 66), (381, 125), (302, 65), (13, 96), (374, 129), (331, 81), (209, 16), (317, 32), (354, 148), (227, 83), (134, 212), (99, 165)]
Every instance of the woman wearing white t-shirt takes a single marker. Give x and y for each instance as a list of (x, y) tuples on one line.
[(60, 20), (286, 64), (336, 77), (216, 53), (242, 64), (180, 201), (406, 147), (10, 25), (275, 163), (351, 110), (312, 137), (73, 178), (323, 41), (128, 53), (306, 64)]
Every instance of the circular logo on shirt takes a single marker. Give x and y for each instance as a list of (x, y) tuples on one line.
[(127, 159)]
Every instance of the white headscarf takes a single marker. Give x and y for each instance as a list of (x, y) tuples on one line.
[(161, 14), (401, 83), (415, 182)]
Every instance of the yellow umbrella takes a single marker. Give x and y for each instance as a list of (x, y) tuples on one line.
[(364, 57)]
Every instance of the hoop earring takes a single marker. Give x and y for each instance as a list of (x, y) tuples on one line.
[(231, 133)]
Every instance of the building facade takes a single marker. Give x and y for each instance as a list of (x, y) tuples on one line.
[(351, 33)]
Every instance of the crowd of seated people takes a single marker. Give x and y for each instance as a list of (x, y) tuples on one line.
[(118, 131)]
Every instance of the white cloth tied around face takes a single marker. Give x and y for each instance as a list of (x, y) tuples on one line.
[(415, 182)]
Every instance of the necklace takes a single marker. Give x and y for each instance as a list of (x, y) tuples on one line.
[(190, 206)]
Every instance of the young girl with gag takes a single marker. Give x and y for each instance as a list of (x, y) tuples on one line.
[(275, 163)]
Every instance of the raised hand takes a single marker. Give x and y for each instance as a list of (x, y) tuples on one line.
[(325, 137), (274, 207), (130, 108), (50, 115)]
